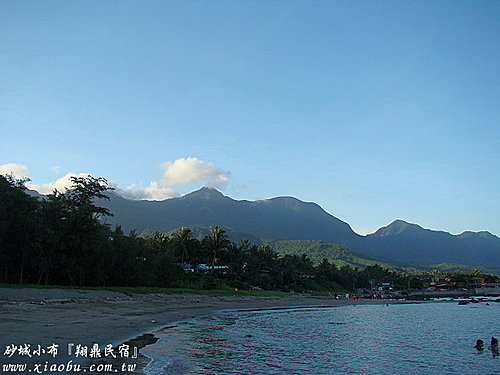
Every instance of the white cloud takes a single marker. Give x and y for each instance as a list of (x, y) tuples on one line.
[(21, 171), (18, 170), (180, 172), (153, 192), (189, 170), (60, 184)]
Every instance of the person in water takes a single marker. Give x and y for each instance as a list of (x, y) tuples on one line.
[(479, 345), (494, 346)]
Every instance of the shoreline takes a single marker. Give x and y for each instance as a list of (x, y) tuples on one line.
[(85, 317), (276, 308)]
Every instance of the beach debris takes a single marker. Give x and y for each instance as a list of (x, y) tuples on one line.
[(153, 321), (166, 327), (37, 302)]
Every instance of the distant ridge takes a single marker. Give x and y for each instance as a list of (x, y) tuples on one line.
[(284, 218), (288, 218), (396, 227), (407, 243)]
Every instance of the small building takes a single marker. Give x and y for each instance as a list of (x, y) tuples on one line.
[(220, 269), (263, 274), (203, 268), (186, 267), (385, 287), (440, 284)]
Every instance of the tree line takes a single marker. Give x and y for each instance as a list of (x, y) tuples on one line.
[(61, 240)]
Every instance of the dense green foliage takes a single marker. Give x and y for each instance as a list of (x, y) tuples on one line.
[(400, 244), (62, 240), (319, 250)]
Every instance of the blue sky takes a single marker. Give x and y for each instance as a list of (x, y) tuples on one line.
[(376, 110)]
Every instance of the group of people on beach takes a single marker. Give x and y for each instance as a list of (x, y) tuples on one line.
[(493, 346)]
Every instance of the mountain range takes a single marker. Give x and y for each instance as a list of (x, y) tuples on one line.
[(288, 218)]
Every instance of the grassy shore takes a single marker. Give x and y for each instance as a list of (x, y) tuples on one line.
[(128, 290)]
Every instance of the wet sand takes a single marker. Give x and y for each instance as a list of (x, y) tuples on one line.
[(46, 316)]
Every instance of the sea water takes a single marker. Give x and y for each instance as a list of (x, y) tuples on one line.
[(428, 338)]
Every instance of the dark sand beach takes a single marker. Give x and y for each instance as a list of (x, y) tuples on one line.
[(47, 316)]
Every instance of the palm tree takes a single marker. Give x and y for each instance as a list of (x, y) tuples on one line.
[(244, 244), (216, 241), (235, 256), (183, 236), (158, 241)]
